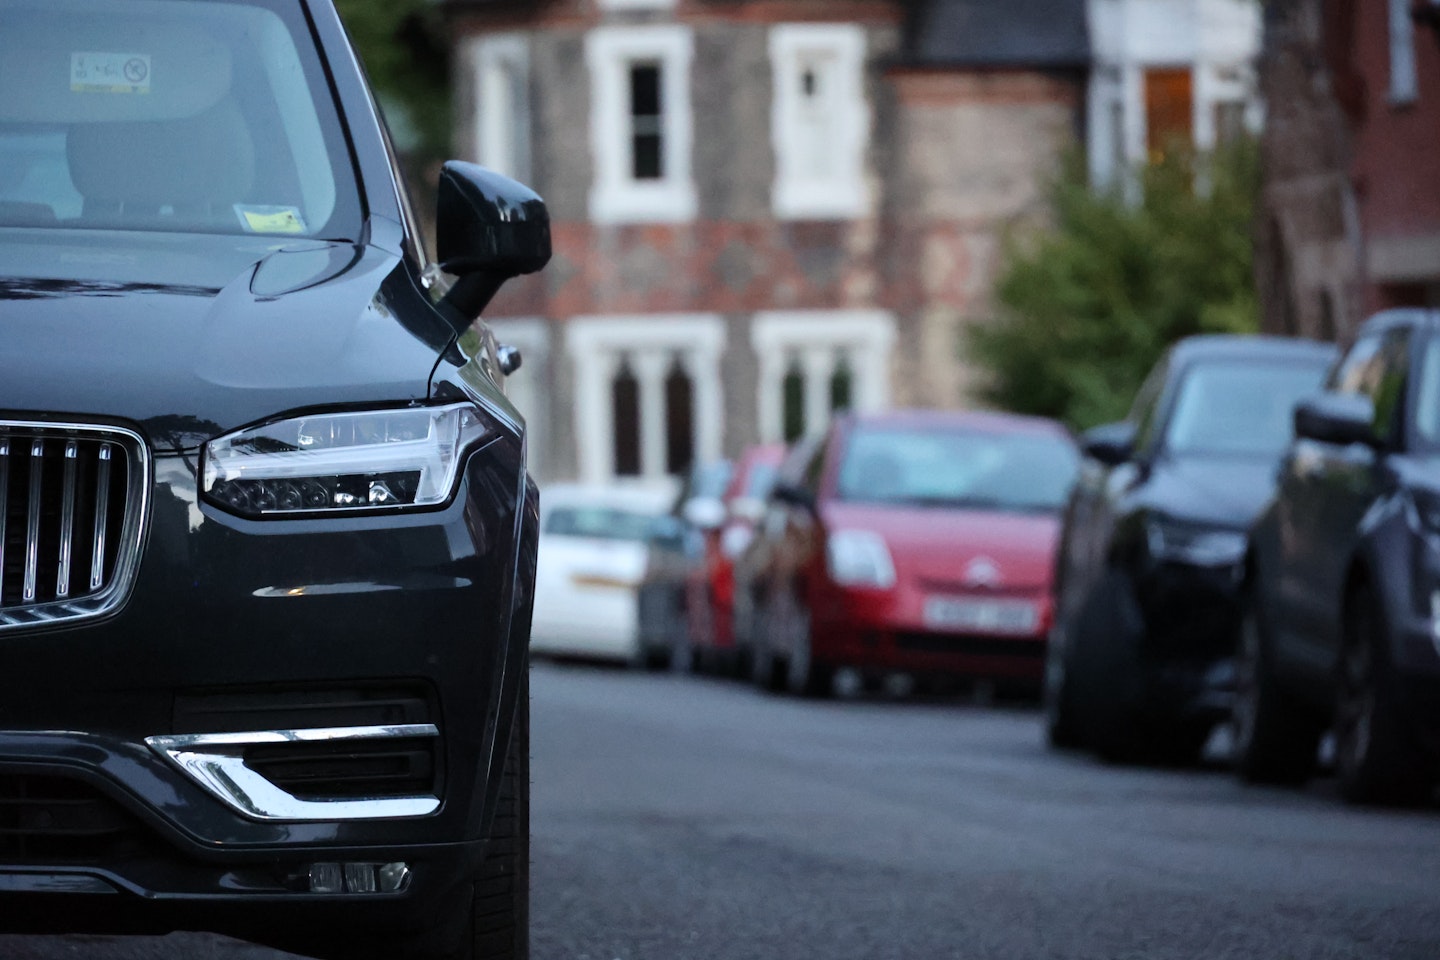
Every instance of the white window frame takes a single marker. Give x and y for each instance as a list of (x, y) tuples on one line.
[(616, 196), (816, 338), (596, 345), (796, 193), (502, 138), (636, 4)]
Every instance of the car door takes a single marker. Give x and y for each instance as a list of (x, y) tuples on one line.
[(1327, 489)]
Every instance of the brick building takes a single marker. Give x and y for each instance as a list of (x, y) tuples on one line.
[(1351, 207), (763, 209)]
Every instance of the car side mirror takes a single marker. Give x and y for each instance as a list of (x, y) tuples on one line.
[(1339, 418), (794, 495), (1112, 444), (488, 229)]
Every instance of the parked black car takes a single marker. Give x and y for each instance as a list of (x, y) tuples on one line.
[(267, 539), (1141, 655), (1342, 626)]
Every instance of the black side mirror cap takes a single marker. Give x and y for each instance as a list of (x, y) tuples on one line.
[(488, 229), (1112, 443), (1339, 418)]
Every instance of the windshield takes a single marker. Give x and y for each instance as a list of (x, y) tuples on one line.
[(984, 470), (158, 115), (599, 523), (1239, 407)]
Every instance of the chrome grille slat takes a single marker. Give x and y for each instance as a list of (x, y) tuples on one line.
[(102, 497), (73, 504), (4, 499), (32, 524), (67, 520)]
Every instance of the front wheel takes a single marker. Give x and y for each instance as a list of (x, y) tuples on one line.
[(1062, 723), (1275, 738), (1376, 758), (803, 676)]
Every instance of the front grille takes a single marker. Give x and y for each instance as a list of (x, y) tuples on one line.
[(72, 501), (50, 819), (972, 646)]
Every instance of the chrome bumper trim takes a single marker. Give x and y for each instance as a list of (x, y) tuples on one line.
[(216, 762)]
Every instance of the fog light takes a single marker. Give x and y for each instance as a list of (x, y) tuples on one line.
[(394, 877), (359, 878), (326, 878)]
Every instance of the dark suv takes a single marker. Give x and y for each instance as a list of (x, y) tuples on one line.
[(1141, 655), (1342, 626), (266, 532)]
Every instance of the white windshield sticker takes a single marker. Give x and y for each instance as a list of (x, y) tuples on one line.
[(110, 72), (259, 218)]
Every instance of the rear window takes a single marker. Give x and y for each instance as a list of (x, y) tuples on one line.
[(1007, 472), (162, 115), (598, 523)]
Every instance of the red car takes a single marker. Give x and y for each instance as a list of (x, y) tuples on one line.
[(710, 593), (916, 545)]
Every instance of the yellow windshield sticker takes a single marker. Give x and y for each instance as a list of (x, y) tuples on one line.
[(110, 72), (270, 219)]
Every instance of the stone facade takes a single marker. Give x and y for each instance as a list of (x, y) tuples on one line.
[(783, 315)]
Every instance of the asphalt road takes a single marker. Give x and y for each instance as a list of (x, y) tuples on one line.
[(677, 818)]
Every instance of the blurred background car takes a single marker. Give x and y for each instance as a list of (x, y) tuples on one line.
[(710, 599), (592, 557), (1140, 665), (1343, 600), (916, 543)]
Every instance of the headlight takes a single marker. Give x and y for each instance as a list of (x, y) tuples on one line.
[(356, 461), (859, 558), (1194, 543)]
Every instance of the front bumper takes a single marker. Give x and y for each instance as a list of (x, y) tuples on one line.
[(878, 631), (1191, 616), (239, 626)]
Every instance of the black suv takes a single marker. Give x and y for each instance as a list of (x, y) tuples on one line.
[(1141, 654), (1342, 626), (266, 532)]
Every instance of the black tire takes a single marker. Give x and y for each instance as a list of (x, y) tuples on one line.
[(499, 911), (1376, 758), (1276, 737), (1063, 723), (764, 668), (1105, 672)]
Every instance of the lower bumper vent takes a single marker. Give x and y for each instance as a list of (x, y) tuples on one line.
[(49, 820)]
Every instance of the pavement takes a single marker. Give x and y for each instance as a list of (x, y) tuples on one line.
[(677, 818)]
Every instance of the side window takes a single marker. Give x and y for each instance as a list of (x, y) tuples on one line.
[(1379, 368), (1143, 413)]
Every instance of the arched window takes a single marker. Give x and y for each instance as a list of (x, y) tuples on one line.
[(679, 418)]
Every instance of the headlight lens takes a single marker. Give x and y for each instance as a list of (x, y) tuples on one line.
[(1194, 543), (354, 461), (859, 558)]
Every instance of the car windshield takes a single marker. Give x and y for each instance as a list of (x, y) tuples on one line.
[(1239, 407), (599, 523), (1019, 472), (163, 116)]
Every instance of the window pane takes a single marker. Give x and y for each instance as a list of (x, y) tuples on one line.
[(625, 401), (679, 421), (645, 90), (793, 401), (1169, 108), (648, 161)]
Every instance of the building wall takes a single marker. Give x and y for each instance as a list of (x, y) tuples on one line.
[(951, 161)]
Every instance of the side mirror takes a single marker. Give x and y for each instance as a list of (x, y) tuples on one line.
[(488, 228), (509, 358), (1112, 444), (1339, 418), (794, 495)]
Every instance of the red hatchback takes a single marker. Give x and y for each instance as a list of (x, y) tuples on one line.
[(916, 544)]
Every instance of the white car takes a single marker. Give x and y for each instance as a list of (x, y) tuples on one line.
[(591, 560)]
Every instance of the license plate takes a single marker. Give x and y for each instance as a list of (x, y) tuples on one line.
[(981, 616)]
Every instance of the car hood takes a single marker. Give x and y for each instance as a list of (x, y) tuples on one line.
[(942, 548), (193, 335), (1226, 491)]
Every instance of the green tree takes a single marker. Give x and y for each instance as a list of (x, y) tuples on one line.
[(402, 45), (1088, 306)]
